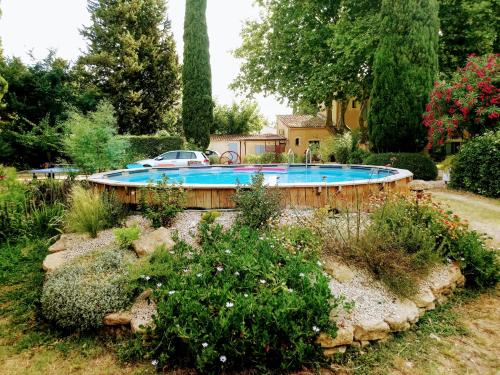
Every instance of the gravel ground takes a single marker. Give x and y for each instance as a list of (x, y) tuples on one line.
[(104, 239)]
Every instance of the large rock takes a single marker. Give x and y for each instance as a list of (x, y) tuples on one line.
[(424, 298), (369, 330), (142, 312), (443, 281), (338, 271), (149, 242), (54, 261), (137, 221), (66, 241), (344, 337), (404, 314), (118, 318)]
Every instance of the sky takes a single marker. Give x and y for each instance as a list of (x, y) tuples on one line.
[(39, 25)]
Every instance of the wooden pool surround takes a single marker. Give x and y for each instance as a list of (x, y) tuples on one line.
[(350, 194)]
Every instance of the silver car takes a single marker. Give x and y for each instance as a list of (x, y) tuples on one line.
[(179, 158)]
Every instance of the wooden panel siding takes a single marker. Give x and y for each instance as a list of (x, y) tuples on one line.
[(341, 197)]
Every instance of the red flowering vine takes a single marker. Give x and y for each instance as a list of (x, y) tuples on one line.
[(468, 102)]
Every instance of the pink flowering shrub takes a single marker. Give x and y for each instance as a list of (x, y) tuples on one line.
[(467, 103)]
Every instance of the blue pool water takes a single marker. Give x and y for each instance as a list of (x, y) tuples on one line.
[(227, 176)]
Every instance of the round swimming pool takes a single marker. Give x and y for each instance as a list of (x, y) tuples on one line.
[(206, 185)]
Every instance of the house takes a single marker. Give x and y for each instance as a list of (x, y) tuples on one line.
[(245, 145), (302, 131)]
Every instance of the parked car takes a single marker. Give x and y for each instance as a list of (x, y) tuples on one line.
[(212, 153), (179, 158)]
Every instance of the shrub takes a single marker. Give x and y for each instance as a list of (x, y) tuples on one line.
[(266, 158), (45, 220), (125, 236), (421, 166), (147, 146), (214, 159), (257, 203), (162, 202), (343, 149), (92, 143), (476, 167), (467, 103), (358, 156), (80, 294), (88, 212), (242, 301), (13, 204)]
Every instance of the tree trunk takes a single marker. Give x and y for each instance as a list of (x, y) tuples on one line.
[(329, 115), (341, 126), (363, 121)]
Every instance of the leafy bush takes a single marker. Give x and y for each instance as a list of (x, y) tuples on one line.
[(421, 166), (476, 167), (162, 202), (266, 158), (45, 220), (358, 156), (92, 142), (147, 146), (241, 301), (214, 159), (80, 294), (13, 204), (125, 236), (343, 149), (90, 211), (257, 203)]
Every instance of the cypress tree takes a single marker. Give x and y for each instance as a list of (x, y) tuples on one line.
[(405, 67), (131, 58), (197, 104)]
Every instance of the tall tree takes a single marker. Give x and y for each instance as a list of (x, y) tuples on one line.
[(405, 67), (467, 27), (287, 53), (243, 118), (197, 104), (131, 57), (3, 83)]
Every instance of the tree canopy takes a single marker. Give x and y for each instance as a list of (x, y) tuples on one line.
[(131, 58), (405, 67), (197, 104), (243, 118)]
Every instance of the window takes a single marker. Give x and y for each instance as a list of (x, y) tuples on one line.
[(297, 141), (354, 104), (186, 155), (168, 156), (260, 149), (281, 131)]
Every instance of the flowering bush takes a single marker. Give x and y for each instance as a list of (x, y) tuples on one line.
[(469, 102), (241, 301)]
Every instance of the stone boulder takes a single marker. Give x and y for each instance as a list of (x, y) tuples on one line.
[(338, 271), (424, 298), (149, 242), (404, 314), (66, 241), (54, 261), (369, 330), (138, 221), (118, 318), (142, 312), (344, 337), (443, 281)]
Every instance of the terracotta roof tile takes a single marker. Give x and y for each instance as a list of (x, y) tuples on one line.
[(301, 121), (250, 137)]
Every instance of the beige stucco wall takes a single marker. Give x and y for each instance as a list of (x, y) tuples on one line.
[(243, 148), (305, 135), (351, 114)]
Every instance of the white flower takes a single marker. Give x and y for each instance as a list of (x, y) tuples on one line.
[(462, 259), (159, 285), (236, 273), (172, 252), (319, 263), (204, 344), (143, 276), (220, 269), (315, 329), (223, 358), (171, 292), (198, 275), (154, 362), (186, 270), (262, 281), (229, 304), (228, 251), (301, 274), (147, 278), (246, 295), (290, 290)]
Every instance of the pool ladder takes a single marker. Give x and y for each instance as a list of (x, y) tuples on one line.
[(291, 157), (308, 157)]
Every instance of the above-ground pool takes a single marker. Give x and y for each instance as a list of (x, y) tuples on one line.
[(211, 187)]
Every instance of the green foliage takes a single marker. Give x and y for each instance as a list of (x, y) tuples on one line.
[(476, 167), (266, 158), (343, 149), (147, 146), (80, 294), (89, 211), (243, 118), (466, 27), (197, 105), (405, 67), (125, 236), (92, 142), (162, 202), (215, 306), (131, 58), (258, 204), (422, 167), (214, 159)]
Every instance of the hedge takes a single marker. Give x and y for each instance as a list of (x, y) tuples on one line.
[(148, 146), (422, 167), (476, 167)]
